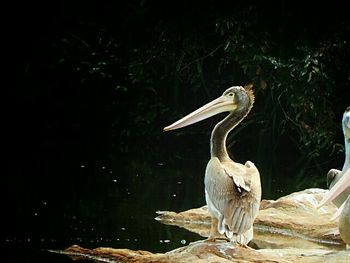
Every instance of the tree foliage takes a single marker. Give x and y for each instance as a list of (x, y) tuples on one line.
[(148, 68)]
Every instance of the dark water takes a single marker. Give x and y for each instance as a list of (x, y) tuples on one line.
[(53, 203), (97, 203)]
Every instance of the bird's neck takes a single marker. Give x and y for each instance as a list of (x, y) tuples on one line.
[(222, 129), (347, 154)]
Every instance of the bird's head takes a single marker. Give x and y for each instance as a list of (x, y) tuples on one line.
[(236, 98), (242, 97)]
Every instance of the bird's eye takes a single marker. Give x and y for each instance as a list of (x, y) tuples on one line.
[(230, 94)]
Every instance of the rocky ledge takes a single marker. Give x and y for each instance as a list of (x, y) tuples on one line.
[(289, 229)]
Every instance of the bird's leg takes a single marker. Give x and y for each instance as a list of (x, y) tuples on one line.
[(213, 230)]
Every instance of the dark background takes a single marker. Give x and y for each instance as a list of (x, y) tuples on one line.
[(90, 85)]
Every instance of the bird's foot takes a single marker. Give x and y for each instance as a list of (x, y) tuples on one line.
[(210, 239), (248, 247), (242, 245)]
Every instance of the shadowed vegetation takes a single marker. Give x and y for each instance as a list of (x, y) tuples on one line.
[(111, 76)]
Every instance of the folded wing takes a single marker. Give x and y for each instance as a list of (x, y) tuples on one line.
[(231, 196)]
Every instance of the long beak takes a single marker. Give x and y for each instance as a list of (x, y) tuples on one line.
[(212, 108), (337, 189), (339, 210)]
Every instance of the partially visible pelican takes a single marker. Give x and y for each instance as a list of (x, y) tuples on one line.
[(340, 185), (344, 210), (334, 175), (232, 190)]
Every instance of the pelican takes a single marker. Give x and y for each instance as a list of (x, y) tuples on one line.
[(339, 183), (334, 175), (343, 211), (232, 190)]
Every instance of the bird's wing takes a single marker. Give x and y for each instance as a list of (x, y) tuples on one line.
[(236, 201)]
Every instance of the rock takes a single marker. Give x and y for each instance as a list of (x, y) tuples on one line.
[(297, 214), (196, 220), (200, 251), (210, 252), (290, 229), (290, 221)]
